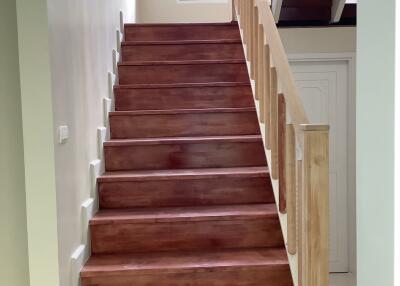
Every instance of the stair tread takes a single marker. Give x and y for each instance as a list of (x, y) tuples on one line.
[(175, 214), (181, 85), (181, 42), (233, 24), (182, 140), (183, 111), (183, 174), (182, 62), (184, 261)]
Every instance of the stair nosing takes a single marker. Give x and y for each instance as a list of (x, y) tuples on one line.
[(183, 174), (180, 42), (183, 140), (184, 214), (181, 85), (182, 111), (266, 257), (182, 62)]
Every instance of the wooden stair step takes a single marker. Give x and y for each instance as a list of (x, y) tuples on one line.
[(185, 228), (183, 96), (198, 71), (182, 50), (184, 31), (192, 187), (184, 122), (184, 153), (249, 267)]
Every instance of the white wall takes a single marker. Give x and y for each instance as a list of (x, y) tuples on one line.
[(13, 238), (170, 11), (81, 38), (375, 142), (319, 40)]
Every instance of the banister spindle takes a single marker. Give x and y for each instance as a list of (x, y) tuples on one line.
[(254, 49), (290, 163), (260, 86), (282, 152), (251, 33), (274, 130), (315, 201), (267, 93)]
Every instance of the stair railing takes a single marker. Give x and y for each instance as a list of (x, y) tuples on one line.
[(297, 152)]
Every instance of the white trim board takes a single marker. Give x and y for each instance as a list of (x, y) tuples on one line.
[(350, 58)]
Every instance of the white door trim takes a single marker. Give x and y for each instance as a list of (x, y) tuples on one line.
[(350, 58)]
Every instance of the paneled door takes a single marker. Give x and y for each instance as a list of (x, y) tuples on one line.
[(324, 88)]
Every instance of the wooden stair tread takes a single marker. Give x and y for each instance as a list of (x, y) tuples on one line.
[(123, 176), (181, 42), (183, 111), (133, 25), (181, 85), (176, 214), (134, 264), (182, 62), (183, 140)]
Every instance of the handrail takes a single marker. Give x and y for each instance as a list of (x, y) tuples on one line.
[(297, 152)]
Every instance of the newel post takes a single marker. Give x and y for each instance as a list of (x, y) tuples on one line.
[(315, 206)]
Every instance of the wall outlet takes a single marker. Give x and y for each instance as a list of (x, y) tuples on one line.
[(63, 133)]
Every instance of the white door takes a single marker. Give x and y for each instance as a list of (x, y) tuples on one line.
[(324, 89)]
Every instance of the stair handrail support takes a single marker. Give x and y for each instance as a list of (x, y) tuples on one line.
[(297, 151)]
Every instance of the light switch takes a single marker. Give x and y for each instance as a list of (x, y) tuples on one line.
[(63, 133)]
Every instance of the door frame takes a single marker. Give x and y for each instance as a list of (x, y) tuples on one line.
[(350, 58)]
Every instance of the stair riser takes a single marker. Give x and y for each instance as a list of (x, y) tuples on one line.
[(182, 32), (189, 124), (174, 193), (185, 156), (182, 98), (186, 235), (251, 276), (183, 73), (182, 52)]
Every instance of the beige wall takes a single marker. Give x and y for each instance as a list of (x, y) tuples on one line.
[(319, 40), (81, 38), (170, 11), (13, 238)]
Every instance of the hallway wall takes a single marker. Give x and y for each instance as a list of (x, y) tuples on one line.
[(82, 35), (13, 238)]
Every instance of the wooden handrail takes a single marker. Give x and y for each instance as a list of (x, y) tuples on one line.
[(297, 151)]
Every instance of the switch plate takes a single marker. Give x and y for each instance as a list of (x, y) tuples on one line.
[(63, 133)]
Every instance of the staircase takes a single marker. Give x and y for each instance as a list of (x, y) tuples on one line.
[(186, 198)]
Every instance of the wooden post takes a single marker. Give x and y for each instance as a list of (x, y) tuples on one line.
[(291, 188), (273, 93), (274, 136), (267, 88), (254, 51), (315, 227), (251, 32), (282, 152), (261, 68), (299, 188)]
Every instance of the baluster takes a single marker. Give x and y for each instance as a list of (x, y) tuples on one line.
[(254, 49), (261, 67), (282, 152), (250, 30), (315, 227), (290, 163), (267, 92), (273, 93), (274, 131)]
